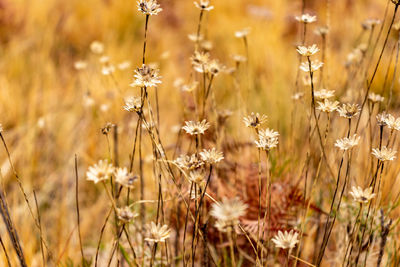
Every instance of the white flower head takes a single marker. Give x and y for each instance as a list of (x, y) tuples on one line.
[(347, 142), (100, 171), (307, 51), (360, 195), (286, 240), (384, 154), (149, 7)]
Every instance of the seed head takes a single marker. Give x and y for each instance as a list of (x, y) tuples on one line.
[(187, 162)]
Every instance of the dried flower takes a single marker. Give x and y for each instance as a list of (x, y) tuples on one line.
[(204, 5), (347, 143), (286, 240), (384, 154), (124, 65), (297, 96), (200, 61), (107, 70), (375, 98), (392, 122), (266, 143), (324, 94), (146, 77), (100, 172), (327, 106), (125, 214), (348, 110), (254, 120), (307, 51), (360, 195), (124, 178), (197, 177), (1, 128), (306, 18), (322, 31), (158, 233), (149, 7), (239, 58), (97, 47), (228, 212), (268, 133), (189, 162), (80, 65), (189, 87), (381, 118), (370, 23), (242, 33), (211, 156), (133, 104), (315, 65), (195, 128)]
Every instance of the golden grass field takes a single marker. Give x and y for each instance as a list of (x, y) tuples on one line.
[(57, 105)]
